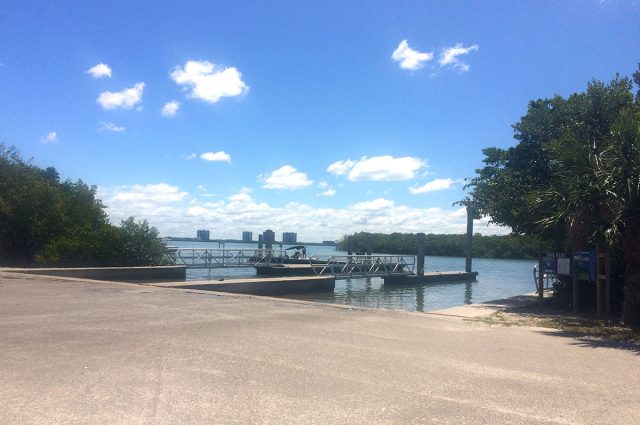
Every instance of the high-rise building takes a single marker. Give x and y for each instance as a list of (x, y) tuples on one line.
[(290, 238), (203, 235), (268, 237), (247, 236)]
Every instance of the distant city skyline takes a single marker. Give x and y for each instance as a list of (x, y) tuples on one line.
[(323, 119)]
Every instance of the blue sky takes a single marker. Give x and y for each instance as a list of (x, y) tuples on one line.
[(322, 118)]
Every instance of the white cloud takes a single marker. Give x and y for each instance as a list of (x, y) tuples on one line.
[(378, 168), (109, 126), (340, 168), (240, 197), (174, 212), (220, 156), (160, 193), (209, 82), (190, 156), (51, 137), (100, 70), (328, 192), (375, 205), (286, 177), (433, 186), (170, 109), (450, 56), (460, 212), (125, 99), (410, 59)]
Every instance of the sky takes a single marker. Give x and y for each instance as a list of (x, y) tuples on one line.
[(323, 118)]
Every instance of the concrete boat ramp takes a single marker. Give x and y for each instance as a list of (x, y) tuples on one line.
[(77, 351)]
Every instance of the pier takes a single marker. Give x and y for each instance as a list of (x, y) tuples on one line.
[(279, 274), (205, 258), (266, 262)]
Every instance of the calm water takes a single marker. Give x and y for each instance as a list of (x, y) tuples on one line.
[(496, 279)]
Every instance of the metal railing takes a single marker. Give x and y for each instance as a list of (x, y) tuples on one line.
[(205, 258), (344, 266)]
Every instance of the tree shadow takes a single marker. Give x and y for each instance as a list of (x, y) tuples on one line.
[(586, 329), (598, 341)]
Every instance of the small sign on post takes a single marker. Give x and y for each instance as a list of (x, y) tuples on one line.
[(549, 264), (563, 266)]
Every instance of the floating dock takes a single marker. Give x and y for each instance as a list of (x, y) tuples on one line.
[(261, 286), (429, 277), (299, 269)]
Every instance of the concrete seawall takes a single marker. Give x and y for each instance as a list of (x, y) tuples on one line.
[(118, 274)]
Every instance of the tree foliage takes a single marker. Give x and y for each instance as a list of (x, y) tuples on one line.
[(572, 179), (49, 222), (511, 246)]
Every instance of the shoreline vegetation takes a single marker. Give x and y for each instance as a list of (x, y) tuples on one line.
[(572, 181), (512, 247), (48, 222)]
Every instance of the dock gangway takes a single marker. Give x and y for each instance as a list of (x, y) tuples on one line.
[(204, 258), (337, 266), (347, 266)]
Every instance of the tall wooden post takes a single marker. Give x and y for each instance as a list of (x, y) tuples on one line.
[(576, 287), (349, 245), (471, 214), (607, 288), (420, 242), (603, 284), (599, 284)]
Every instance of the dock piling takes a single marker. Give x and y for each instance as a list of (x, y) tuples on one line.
[(420, 249), (471, 214)]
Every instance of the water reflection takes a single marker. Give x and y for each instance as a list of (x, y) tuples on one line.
[(420, 298), (468, 293), (497, 279)]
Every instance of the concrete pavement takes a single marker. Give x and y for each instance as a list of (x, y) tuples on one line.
[(87, 352)]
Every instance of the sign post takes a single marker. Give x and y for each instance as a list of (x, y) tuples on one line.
[(540, 277)]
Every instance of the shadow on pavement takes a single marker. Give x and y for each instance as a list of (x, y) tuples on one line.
[(586, 329), (583, 340)]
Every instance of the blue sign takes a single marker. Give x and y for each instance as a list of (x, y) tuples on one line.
[(584, 265), (549, 265)]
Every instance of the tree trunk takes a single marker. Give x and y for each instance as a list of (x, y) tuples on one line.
[(631, 307)]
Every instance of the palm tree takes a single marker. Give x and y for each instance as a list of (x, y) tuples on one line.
[(619, 179), (594, 198)]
